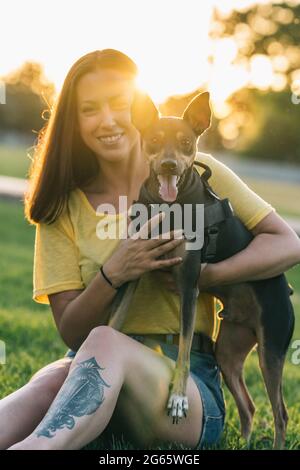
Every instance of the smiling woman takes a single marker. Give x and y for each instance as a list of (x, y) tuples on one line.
[(80, 106)]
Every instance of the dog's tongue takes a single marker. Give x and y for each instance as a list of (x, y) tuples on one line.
[(167, 189)]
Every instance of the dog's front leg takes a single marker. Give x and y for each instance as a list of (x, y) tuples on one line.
[(120, 304), (187, 278)]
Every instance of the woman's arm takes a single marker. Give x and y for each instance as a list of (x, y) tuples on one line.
[(274, 249)]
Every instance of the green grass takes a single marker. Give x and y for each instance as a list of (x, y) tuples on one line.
[(282, 195), (32, 342), (14, 161)]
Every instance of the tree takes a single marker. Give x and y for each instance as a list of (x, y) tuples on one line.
[(262, 119), (28, 95)]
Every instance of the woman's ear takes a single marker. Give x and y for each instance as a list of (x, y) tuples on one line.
[(198, 113), (144, 113)]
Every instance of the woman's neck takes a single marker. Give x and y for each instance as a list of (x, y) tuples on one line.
[(121, 177)]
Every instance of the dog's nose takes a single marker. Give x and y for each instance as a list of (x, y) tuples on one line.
[(169, 164)]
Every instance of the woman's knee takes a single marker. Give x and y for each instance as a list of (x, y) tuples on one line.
[(102, 336), (50, 378)]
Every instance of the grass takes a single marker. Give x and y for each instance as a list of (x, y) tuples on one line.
[(32, 342), (14, 161), (282, 195)]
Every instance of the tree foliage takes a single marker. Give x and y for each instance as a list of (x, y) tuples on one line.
[(28, 95)]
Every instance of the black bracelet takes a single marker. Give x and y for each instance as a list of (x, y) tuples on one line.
[(107, 279)]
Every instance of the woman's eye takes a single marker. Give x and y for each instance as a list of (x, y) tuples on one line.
[(121, 104), (88, 110)]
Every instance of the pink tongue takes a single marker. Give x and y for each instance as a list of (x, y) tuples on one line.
[(168, 189)]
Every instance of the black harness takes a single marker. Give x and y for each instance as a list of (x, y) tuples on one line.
[(224, 233)]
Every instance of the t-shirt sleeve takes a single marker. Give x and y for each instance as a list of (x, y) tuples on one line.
[(247, 205), (56, 259)]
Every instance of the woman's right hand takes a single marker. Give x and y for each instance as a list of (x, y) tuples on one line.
[(137, 254)]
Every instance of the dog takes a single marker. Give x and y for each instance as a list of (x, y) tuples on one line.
[(254, 313)]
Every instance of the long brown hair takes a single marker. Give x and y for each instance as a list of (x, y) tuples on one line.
[(61, 160)]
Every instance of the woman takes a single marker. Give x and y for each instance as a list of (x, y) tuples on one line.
[(89, 155)]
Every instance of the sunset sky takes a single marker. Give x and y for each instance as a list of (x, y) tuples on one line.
[(168, 39)]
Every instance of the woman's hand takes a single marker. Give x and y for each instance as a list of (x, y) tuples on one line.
[(137, 255)]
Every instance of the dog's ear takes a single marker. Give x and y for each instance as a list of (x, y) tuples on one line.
[(198, 113), (143, 111)]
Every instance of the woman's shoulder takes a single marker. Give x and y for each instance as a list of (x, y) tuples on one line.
[(206, 158), (69, 213)]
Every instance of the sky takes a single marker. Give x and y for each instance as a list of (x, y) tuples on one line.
[(168, 39)]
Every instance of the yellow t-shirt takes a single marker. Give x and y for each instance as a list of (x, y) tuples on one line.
[(68, 254)]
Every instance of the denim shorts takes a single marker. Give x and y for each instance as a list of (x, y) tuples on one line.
[(206, 374)]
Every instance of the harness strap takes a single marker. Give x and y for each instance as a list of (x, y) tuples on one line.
[(205, 177), (216, 212)]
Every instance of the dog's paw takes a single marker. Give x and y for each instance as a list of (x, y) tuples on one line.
[(177, 406)]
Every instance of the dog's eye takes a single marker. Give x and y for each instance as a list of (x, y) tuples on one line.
[(155, 140), (186, 142)]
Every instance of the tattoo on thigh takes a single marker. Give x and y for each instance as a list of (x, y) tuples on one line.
[(81, 395)]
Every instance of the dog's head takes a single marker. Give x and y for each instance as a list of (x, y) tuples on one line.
[(170, 143)]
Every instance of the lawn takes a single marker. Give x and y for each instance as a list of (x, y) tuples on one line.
[(32, 341), (14, 161)]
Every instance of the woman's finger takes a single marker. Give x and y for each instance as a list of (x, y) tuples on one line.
[(166, 247), (148, 226), (165, 263), (167, 237)]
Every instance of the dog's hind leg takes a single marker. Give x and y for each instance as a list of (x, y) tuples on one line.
[(271, 366), (233, 345)]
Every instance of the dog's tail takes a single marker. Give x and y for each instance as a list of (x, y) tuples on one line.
[(121, 303)]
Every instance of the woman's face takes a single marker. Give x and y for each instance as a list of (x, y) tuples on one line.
[(103, 105)]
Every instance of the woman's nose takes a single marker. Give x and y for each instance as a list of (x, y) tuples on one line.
[(107, 118)]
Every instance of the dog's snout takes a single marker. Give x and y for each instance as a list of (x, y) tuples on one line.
[(169, 164)]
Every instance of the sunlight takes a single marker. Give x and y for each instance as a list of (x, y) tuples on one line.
[(170, 44), (261, 71)]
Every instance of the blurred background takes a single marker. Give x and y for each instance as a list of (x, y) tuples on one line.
[(245, 53)]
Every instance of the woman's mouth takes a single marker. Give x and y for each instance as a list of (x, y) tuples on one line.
[(110, 139)]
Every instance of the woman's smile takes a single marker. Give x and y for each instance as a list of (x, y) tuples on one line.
[(111, 140)]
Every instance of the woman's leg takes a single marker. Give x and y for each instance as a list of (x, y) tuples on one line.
[(22, 410), (111, 367)]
